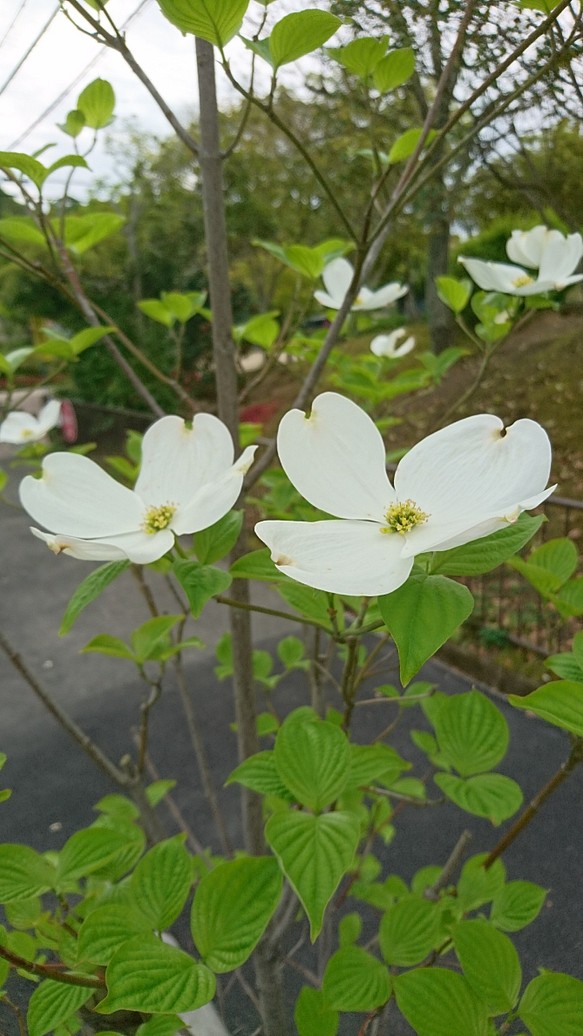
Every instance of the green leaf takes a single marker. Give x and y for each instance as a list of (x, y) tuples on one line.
[(354, 980), (300, 33), (83, 232), (216, 21), (409, 931), (158, 790), (361, 56), (260, 330), (67, 162), (372, 763), (569, 601), (472, 733), (84, 339), (558, 559), (218, 540), (117, 806), (105, 644), (97, 102), (421, 615), (438, 1002), (21, 230), (24, 913), (156, 310), (259, 773), (13, 360), (163, 1025), (291, 653), (312, 758), (161, 882), (23, 873), (312, 604), (106, 929), (454, 292), (313, 1016), (150, 640), (24, 164), (394, 70), (256, 565), (566, 666), (349, 929), (559, 702), (200, 583), (53, 1003), (183, 305), (489, 795), (74, 123), (88, 851), (477, 885), (483, 555), (147, 975), (314, 852), (309, 262), (516, 905), (232, 907), (490, 964), (406, 144), (552, 1005)]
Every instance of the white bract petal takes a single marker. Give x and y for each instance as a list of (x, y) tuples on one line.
[(560, 257), (338, 276), (386, 345), (555, 256), (20, 427), (384, 296), (188, 482), (525, 247), (457, 485), (342, 557), (509, 280), (335, 457)]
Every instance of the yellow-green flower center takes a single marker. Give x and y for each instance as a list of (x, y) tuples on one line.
[(522, 281), (403, 516), (158, 518)]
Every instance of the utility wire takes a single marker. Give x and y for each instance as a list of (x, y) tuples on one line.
[(13, 22), (30, 50), (54, 104)]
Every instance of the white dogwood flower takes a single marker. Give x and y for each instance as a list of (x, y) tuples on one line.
[(186, 483), (548, 251), (337, 277), (458, 484), (20, 427), (386, 345)]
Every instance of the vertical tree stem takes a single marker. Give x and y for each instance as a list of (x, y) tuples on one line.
[(267, 957)]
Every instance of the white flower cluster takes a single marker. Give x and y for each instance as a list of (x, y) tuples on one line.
[(549, 252)]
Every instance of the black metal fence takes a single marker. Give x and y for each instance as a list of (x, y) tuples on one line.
[(508, 611)]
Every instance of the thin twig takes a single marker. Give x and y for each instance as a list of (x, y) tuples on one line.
[(50, 971), (199, 749), (564, 771), (83, 740), (450, 866)]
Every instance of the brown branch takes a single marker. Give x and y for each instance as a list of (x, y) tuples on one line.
[(564, 771), (68, 724), (51, 971)]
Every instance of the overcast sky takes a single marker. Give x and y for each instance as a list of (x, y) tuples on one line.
[(59, 62)]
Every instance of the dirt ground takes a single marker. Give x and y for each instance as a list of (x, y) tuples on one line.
[(536, 373)]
